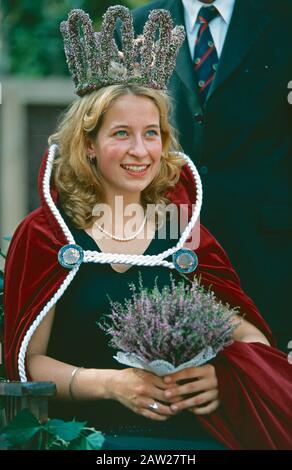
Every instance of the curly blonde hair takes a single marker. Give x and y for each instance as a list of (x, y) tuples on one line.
[(77, 181)]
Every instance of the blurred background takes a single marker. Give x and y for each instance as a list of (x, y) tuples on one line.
[(35, 87)]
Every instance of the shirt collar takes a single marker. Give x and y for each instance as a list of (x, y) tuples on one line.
[(192, 8)]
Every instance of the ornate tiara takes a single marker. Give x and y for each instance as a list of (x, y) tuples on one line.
[(95, 61)]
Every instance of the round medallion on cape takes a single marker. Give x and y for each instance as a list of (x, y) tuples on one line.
[(185, 261), (70, 256)]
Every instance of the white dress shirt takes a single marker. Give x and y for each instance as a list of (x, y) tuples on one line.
[(218, 26)]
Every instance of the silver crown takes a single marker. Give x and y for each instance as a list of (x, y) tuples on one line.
[(94, 60)]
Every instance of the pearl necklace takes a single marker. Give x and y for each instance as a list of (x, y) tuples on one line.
[(121, 239)]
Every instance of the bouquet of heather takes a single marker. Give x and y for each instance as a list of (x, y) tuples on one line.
[(166, 330)]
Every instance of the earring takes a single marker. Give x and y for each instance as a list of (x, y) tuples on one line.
[(91, 159)]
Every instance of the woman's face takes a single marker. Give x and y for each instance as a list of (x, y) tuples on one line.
[(128, 146)]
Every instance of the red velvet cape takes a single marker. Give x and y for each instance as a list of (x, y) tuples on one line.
[(255, 381)]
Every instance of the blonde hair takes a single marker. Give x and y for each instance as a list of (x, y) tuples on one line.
[(77, 181)]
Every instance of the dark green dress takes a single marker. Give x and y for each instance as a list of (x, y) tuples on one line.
[(76, 339)]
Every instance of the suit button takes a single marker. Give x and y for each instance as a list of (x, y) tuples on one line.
[(199, 118), (204, 170)]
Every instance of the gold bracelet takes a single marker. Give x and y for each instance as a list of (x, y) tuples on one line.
[(73, 375)]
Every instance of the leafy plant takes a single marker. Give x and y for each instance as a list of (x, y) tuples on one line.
[(26, 432)]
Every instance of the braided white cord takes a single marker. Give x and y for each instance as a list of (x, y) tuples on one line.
[(185, 235), (96, 257), (48, 198), (136, 260), (37, 321), (155, 260), (47, 194), (140, 260)]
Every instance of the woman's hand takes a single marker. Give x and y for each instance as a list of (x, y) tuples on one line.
[(140, 390), (199, 395)]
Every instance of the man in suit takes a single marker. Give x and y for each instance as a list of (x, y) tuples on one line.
[(240, 138)]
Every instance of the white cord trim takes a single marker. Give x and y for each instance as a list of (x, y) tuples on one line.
[(154, 260), (48, 198), (96, 257), (135, 260), (115, 258), (47, 194), (37, 321)]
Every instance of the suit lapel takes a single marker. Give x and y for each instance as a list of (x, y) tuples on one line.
[(248, 22), (184, 67)]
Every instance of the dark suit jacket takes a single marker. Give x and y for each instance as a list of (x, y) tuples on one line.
[(242, 145)]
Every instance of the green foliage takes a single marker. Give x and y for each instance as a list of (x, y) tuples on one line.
[(93, 441), (25, 431), (32, 42), (61, 429), (22, 429)]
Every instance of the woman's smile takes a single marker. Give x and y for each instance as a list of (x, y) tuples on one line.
[(135, 170)]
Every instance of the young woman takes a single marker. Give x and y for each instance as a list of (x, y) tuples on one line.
[(114, 151)]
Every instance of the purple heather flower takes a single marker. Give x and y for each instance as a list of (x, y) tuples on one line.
[(173, 324)]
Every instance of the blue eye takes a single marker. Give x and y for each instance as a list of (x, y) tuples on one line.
[(152, 132)]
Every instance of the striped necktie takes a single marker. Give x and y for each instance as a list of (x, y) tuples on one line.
[(205, 58)]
